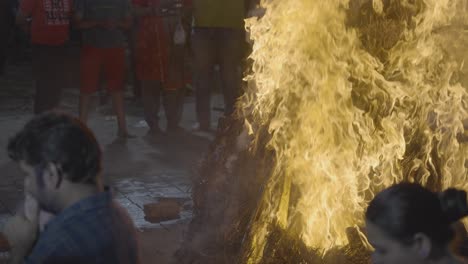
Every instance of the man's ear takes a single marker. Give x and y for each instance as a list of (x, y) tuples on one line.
[(52, 176), (422, 245)]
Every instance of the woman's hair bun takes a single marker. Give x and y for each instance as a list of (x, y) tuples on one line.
[(454, 204)]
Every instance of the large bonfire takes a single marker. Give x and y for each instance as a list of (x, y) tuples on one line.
[(343, 99)]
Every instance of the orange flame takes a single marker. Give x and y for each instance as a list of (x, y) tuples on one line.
[(345, 123)]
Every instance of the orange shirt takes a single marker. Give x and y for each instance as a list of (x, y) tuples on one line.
[(50, 20)]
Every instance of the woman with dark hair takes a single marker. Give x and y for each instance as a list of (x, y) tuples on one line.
[(408, 224)]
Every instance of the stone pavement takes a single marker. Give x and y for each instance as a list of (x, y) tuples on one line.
[(142, 170)]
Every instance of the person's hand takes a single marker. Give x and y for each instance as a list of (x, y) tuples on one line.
[(34, 213), (22, 229), (31, 208)]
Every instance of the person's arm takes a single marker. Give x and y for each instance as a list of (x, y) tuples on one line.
[(21, 18), (25, 11)]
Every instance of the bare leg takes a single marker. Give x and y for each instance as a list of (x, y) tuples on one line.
[(84, 107), (118, 105), (151, 97)]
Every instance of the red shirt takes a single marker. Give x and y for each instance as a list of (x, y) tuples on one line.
[(50, 20)]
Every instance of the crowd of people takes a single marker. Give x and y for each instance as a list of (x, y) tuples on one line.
[(171, 42)]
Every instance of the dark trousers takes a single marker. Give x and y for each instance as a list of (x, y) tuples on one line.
[(5, 30), (7, 23), (152, 95), (3, 51), (48, 70), (213, 46)]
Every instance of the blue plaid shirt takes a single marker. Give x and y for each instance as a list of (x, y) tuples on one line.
[(94, 230)]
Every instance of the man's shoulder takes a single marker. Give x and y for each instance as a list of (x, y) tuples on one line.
[(91, 230), (106, 213), (122, 217), (100, 210)]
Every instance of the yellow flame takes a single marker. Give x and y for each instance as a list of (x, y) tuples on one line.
[(378, 6), (346, 122)]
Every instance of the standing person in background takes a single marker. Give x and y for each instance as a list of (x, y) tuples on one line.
[(160, 57), (50, 21), (7, 22), (103, 23), (218, 37)]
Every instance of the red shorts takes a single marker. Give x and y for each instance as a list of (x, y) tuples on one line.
[(93, 60)]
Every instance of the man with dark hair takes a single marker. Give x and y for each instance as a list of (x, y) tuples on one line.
[(62, 162)]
